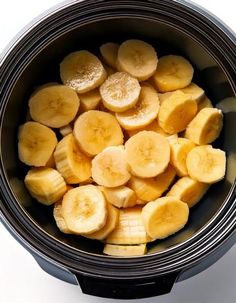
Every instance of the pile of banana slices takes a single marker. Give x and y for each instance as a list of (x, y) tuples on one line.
[(134, 149)]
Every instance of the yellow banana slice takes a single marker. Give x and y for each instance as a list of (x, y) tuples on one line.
[(73, 165), (89, 100), (60, 221), (204, 103), (154, 126), (137, 58), (45, 184), (164, 217), (144, 111), (125, 250), (84, 209), (96, 130), (205, 126), (188, 190), (206, 164), (130, 228), (176, 112), (120, 92), (121, 196), (54, 106), (147, 153), (36, 144), (65, 130), (109, 53), (109, 168), (148, 189), (164, 96), (82, 71), (196, 92), (111, 223), (172, 73), (179, 151)]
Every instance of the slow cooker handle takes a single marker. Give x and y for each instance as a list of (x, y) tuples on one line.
[(128, 289)]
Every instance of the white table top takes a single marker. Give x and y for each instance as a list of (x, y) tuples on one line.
[(23, 281)]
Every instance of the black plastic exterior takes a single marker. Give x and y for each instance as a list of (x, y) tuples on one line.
[(188, 30)]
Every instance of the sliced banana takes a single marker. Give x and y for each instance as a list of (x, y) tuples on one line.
[(54, 106), (59, 219), (121, 196), (204, 103), (137, 58), (176, 112), (164, 96), (109, 53), (45, 184), (36, 144), (147, 153), (130, 229), (51, 162), (120, 92), (109, 168), (82, 71), (154, 126), (172, 73), (144, 111), (179, 151), (164, 217), (205, 127), (196, 92), (188, 190), (125, 250), (96, 130), (65, 130), (206, 164), (73, 165), (89, 100), (84, 209), (148, 189)]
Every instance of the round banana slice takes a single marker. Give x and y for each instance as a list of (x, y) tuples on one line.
[(120, 92), (164, 217), (144, 111), (36, 144), (125, 250), (45, 184), (82, 71), (95, 130), (137, 58), (205, 126), (147, 153), (65, 130), (89, 100), (60, 221), (74, 166), (172, 73), (121, 196), (54, 106), (84, 209), (206, 164), (109, 53), (196, 92), (109, 168), (176, 112)]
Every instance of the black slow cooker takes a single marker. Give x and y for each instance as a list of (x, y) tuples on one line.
[(33, 58)]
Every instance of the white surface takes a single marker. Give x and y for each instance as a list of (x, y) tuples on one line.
[(22, 280)]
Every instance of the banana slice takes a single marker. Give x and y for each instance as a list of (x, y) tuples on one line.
[(54, 106), (125, 250), (84, 209), (51, 162), (206, 164), (144, 111), (176, 112), (137, 58), (164, 96), (120, 92), (164, 217), (121, 196), (205, 127), (147, 153), (82, 71), (45, 184), (196, 92), (111, 223), (130, 228), (148, 189), (65, 130), (204, 103), (188, 190), (59, 219), (109, 168), (73, 165), (179, 151), (36, 144), (172, 73), (154, 126), (89, 100), (96, 130), (109, 53)]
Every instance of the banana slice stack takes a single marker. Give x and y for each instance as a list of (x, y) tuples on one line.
[(122, 148)]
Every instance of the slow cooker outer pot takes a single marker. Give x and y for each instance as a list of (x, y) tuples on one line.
[(155, 273)]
